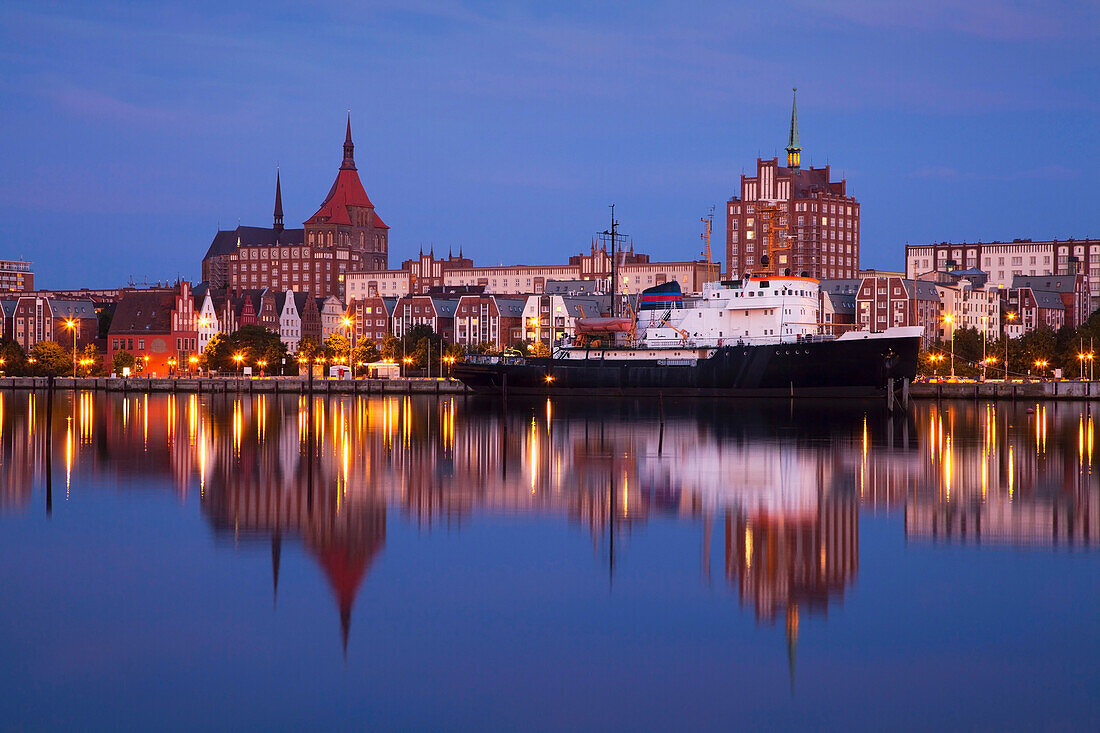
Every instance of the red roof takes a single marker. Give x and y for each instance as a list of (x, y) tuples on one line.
[(347, 190), (378, 223)]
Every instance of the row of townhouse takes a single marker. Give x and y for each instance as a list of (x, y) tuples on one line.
[(45, 317), (291, 314), (942, 302)]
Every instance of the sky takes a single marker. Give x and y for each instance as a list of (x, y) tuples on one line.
[(130, 132)]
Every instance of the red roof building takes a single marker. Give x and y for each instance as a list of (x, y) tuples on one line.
[(156, 326)]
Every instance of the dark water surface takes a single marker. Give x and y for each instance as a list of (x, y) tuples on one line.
[(213, 562)]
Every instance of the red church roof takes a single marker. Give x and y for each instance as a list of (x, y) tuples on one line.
[(347, 190)]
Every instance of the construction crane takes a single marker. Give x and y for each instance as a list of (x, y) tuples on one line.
[(776, 251), (708, 226)]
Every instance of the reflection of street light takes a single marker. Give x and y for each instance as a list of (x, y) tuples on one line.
[(950, 320), (348, 323)]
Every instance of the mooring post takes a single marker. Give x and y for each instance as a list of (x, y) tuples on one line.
[(49, 445), (890, 394), (905, 393)]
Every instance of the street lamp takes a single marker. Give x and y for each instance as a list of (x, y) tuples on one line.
[(171, 366), (950, 320), (449, 360), (238, 357), (1041, 365), (406, 361), (193, 361), (146, 368), (261, 363), (1011, 316), (70, 323)]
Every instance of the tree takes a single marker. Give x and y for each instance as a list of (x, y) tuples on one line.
[(92, 361), (308, 348), (122, 360), (13, 360), (51, 358), (336, 348), (216, 355), (391, 348), (364, 353)]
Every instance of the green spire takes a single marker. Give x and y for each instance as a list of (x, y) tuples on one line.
[(793, 148)]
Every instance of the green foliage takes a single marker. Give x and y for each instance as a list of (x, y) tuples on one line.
[(91, 354), (390, 348), (13, 360), (336, 348), (308, 348), (51, 358), (252, 343), (121, 360), (365, 353)]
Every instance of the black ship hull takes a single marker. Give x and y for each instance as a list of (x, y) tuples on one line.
[(837, 368)]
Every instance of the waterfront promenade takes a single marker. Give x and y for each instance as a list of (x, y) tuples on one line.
[(218, 385)]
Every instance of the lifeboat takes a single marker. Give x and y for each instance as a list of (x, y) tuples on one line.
[(586, 326)]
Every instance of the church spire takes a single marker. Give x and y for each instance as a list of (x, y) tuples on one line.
[(349, 148), (794, 152), (278, 226)]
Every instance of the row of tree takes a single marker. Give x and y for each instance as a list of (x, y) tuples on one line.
[(48, 357), (421, 350), (1037, 353)]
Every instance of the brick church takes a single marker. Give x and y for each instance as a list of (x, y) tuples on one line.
[(345, 234)]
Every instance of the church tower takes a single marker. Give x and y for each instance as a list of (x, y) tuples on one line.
[(794, 152)]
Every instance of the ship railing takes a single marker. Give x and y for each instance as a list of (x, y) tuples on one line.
[(494, 359)]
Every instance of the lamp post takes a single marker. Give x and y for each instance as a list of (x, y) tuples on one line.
[(192, 361), (985, 359), (70, 323), (171, 366), (449, 361), (950, 321), (1041, 365), (238, 357), (1011, 316), (261, 363), (146, 367), (405, 360)]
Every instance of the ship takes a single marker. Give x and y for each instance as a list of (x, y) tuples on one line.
[(759, 335)]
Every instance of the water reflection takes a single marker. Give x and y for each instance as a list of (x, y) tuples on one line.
[(777, 489)]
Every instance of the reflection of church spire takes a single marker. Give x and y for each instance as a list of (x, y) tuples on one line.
[(792, 639), (276, 556)]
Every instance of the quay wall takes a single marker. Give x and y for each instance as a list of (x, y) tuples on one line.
[(1053, 390), (242, 385)]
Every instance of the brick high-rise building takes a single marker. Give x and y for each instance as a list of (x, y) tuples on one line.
[(814, 222)]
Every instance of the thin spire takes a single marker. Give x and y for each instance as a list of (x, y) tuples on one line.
[(278, 201), (794, 151), (349, 148)]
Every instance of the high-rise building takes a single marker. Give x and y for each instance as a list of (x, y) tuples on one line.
[(16, 276), (808, 221)]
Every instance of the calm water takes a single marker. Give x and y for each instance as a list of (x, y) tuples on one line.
[(212, 562)]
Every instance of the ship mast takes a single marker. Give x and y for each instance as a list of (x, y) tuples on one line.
[(613, 235)]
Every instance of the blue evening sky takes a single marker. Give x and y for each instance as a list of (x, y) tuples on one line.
[(130, 131)]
